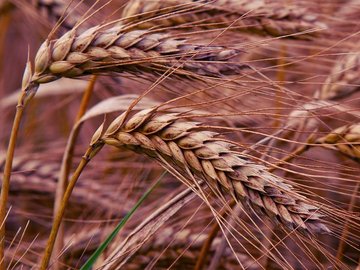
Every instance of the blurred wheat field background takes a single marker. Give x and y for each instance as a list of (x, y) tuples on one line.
[(168, 134)]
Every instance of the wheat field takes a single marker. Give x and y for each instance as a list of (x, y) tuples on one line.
[(179, 134)]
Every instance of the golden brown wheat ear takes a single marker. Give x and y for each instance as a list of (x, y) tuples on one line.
[(256, 17), (343, 79), (102, 50), (197, 151)]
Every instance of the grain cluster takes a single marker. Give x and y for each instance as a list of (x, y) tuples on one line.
[(101, 50), (204, 154)]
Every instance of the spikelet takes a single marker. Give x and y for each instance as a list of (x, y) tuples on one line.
[(207, 156)]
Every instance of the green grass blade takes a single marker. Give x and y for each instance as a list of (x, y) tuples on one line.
[(89, 263)]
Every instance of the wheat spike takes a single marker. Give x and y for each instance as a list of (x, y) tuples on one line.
[(182, 143), (343, 79), (345, 139), (99, 50), (274, 19)]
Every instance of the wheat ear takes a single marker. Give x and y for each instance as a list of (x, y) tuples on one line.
[(257, 17), (343, 79), (204, 154), (345, 139), (102, 50)]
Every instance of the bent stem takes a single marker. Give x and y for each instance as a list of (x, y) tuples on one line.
[(6, 177), (90, 153), (86, 98), (67, 161)]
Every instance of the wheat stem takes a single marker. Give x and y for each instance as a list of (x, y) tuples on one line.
[(28, 92), (298, 151), (6, 179), (86, 98), (60, 213), (63, 181)]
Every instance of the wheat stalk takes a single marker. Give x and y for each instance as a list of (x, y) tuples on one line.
[(202, 153), (258, 17)]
